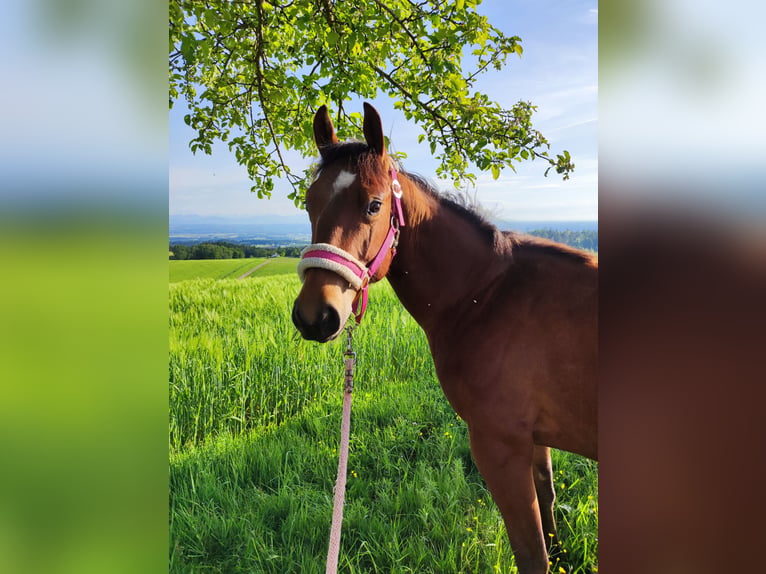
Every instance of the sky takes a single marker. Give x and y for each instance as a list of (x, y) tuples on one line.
[(558, 72)]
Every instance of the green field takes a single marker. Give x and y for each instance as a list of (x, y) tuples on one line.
[(254, 426), (210, 268), (229, 268), (277, 266)]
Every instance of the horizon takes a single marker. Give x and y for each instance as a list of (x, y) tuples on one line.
[(301, 218), (296, 229)]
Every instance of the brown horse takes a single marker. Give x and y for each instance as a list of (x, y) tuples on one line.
[(511, 320)]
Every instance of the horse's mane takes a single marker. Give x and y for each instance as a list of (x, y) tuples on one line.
[(501, 241), (466, 211)]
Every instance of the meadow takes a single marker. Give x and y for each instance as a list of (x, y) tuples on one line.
[(254, 427), (210, 268), (229, 268)]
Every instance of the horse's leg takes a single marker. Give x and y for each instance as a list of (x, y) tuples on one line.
[(546, 495), (507, 469)]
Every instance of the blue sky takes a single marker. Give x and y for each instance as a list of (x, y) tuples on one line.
[(558, 72)]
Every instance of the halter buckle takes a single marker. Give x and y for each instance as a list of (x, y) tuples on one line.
[(396, 188)]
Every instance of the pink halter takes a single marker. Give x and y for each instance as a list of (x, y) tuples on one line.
[(326, 256)]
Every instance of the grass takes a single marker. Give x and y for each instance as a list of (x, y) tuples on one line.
[(277, 266), (254, 427), (230, 268), (210, 268)]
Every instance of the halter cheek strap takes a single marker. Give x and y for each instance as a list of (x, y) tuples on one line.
[(358, 275)]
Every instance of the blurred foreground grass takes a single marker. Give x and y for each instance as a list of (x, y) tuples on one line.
[(83, 348)]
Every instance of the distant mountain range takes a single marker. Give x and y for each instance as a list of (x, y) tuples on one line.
[(295, 229)]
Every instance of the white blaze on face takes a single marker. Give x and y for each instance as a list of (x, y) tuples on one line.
[(344, 179)]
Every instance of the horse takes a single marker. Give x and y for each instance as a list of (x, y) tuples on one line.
[(511, 320)]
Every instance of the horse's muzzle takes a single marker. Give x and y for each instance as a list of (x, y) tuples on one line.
[(324, 328)]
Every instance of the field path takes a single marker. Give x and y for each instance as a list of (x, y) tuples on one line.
[(254, 269)]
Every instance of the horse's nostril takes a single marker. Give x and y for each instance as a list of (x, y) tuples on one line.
[(297, 319), (322, 329), (329, 322)]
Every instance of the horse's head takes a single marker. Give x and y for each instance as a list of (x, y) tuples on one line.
[(352, 228)]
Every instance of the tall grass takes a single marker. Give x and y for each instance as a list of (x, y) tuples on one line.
[(254, 423)]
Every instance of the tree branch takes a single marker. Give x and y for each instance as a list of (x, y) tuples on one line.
[(429, 110), (259, 82), (404, 27)]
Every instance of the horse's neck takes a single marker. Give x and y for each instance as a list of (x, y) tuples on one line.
[(443, 260)]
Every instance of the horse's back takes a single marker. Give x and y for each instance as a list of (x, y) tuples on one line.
[(528, 352)]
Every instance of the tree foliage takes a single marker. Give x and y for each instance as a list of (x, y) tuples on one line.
[(229, 250), (583, 239), (253, 72)]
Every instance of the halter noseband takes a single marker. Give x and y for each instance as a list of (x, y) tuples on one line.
[(332, 258)]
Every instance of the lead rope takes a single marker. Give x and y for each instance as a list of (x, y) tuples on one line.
[(340, 482)]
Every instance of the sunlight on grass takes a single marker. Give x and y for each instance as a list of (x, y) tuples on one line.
[(254, 423)]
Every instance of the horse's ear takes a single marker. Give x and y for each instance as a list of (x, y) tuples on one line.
[(373, 130), (324, 132)]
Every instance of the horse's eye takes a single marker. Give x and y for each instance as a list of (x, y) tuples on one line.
[(374, 207)]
